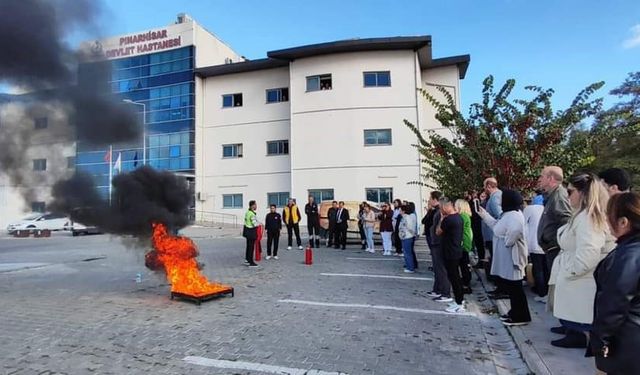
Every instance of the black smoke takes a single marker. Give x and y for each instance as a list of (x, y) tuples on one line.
[(37, 59), (139, 198)]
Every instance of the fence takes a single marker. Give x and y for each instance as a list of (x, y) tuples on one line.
[(207, 218)]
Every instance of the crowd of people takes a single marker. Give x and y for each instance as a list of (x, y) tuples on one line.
[(576, 241)]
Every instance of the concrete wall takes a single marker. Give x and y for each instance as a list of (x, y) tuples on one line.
[(256, 122), (210, 50)]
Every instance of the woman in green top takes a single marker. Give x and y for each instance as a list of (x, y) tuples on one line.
[(250, 232), (463, 208)]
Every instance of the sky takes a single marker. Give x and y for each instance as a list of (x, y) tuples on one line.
[(559, 44)]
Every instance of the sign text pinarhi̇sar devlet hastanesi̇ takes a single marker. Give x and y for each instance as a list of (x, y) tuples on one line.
[(140, 46)]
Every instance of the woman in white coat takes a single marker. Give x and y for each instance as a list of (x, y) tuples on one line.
[(510, 255), (584, 241)]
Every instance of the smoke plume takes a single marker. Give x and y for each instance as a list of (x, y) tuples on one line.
[(36, 58), (140, 198)]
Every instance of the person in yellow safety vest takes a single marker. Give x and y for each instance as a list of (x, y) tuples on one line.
[(291, 218), (250, 232)]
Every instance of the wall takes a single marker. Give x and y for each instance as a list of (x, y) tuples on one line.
[(55, 143), (210, 50), (327, 126), (253, 125)]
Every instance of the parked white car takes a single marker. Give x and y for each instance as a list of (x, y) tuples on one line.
[(38, 220)]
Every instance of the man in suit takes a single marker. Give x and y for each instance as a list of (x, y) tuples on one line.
[(342, 222), (331, 216)]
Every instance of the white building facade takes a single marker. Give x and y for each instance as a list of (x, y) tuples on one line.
[(323, 120)]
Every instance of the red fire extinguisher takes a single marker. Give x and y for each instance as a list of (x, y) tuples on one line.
[(308, 256), (258, 247)]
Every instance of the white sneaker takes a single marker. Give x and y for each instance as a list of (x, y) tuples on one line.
[(386, 253), (275, 257), (456, 309), (288, 247), (407, 271), (371, 251), (268, 257), (300, 247), (433, 294), (541, 299)]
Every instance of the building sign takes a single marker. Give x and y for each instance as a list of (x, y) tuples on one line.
[(170, 37), (151, 41)]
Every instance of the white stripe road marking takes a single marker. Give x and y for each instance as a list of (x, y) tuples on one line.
[(393, 259), (376, 276), (253, 366), (366, 306)]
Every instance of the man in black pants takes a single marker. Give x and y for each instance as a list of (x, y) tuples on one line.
[(313, 222), (397, 243), (451, 228), (273, 225), (331, 216), (342, 222)]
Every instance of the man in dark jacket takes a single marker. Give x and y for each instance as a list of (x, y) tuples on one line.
[(273, 225), (313, 222), (450, 229), (331, 216), (557, 212), (342, 223), (441, 286)]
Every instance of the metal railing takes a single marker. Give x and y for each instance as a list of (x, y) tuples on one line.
[(207, 218)]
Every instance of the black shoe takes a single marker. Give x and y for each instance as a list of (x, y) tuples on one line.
[(344, 248), (495, 291), (253, 265), (479, 266), (336, 247), (499, 296), (574, 340), (317, 243), (467, 290), (510, 323), (504, 317), (559, 330)]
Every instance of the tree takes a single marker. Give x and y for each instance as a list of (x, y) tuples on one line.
[(618, 131), (510, 139)]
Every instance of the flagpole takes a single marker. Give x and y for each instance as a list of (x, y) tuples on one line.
[(110, 171)]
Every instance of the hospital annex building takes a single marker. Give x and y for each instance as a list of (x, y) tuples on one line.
[(323, 119)]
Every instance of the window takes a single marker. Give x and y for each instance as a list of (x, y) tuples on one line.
[(377, 137), (232, 201), (278, 147), (41, 123), (379, 195), (232, 151), (39, 164), (377, 79), (320, 195), (37, 206), (232, 100), (278, 95), (321, 82), (71, 162), (279, 199)]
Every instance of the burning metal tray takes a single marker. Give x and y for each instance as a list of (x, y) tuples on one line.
[(198, 299)]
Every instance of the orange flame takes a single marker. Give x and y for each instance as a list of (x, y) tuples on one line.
[(178, 257)]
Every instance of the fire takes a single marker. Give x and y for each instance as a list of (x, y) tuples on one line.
[(178, 257)]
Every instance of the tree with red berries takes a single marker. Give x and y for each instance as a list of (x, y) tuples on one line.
[(510, 139)]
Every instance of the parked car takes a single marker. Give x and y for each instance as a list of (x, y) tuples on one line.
[(38, 220), (77, 229)]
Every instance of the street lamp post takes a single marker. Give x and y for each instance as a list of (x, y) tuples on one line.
[(144, 128)]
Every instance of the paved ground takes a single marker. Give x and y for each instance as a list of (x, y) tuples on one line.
[(72, 305)]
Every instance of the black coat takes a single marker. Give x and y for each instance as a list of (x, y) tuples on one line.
[(344, 218), (331, 215), (273, 222), (311, 210), (616, 318)]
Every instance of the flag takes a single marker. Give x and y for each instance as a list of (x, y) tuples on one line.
[(107, 157), (135, 160), (117, 167)]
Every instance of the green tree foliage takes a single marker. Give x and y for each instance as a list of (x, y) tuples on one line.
[(618, 131), (511, 139)]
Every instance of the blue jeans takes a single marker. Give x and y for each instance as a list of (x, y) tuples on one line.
[(368, 231), (408, 254)]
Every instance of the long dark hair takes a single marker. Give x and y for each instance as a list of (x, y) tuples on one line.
[(625, 205), (511, 200)]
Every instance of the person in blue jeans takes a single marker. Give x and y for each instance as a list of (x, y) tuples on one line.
[(407, 231)]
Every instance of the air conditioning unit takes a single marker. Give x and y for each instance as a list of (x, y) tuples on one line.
[(201, 196)]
